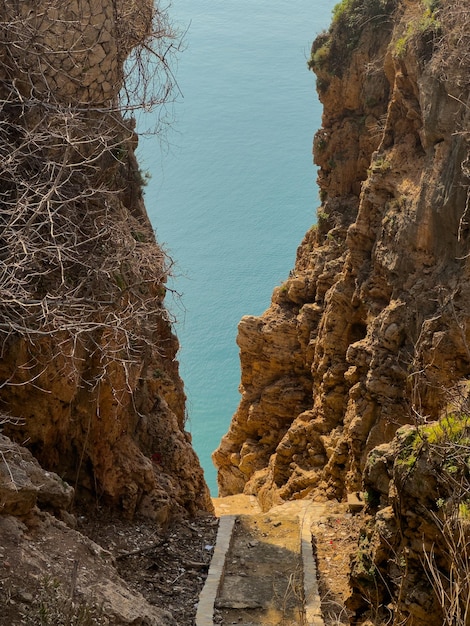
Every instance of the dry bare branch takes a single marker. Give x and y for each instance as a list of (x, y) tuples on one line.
[(81, 276)]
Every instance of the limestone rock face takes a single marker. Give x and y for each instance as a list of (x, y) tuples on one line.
[(373, 323), (88, 358)]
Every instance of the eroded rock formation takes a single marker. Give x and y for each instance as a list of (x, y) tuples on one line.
[(412, 558), (88, 369), (372, 326), (88, 359)]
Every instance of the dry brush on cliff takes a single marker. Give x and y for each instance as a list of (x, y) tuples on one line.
[(76, 245), (413, 558), (87, 350)]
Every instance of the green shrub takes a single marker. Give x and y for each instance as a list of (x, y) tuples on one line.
[(356, 13), (381, 165), (320, 57), (320, 51), (453, 428), (320, 142), (426, 23), (331, 50), (342, 8)]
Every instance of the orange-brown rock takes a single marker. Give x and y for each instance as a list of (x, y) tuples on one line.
[(48, 569), (88, 365), (412, 561), (373, 324)]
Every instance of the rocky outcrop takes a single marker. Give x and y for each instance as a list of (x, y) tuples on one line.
[(88, 364), (50, 573), (371, 328), (24, 484), (412, 559)]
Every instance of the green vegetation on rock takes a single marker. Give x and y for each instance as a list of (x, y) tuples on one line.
[(427, 22), (331, 50)]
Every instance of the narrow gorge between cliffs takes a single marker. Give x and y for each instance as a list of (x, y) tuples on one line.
[(354, 381)]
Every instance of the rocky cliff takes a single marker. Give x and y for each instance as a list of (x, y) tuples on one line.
[(88, 369), (411, 563), (88, 358), (371, 329)]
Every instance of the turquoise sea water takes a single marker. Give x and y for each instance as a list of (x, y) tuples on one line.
[(233, 189)]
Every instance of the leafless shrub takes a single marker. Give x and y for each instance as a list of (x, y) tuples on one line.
[(447, 561), (453, 58), (451, 583), (148, 79), (8, 419), (79, 266)]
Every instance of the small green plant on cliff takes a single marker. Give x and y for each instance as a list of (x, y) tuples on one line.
[(320, 52), (411, 445), (464, 510), (380, 165), (355, 14), (342, 8), (449, 437), (320, 142), (427, 22), (452, 428), (323, 215), (319, 57), (401, 45), (363, 564), (331, 50)]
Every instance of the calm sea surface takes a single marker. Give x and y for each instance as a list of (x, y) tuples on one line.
[(233, 187)]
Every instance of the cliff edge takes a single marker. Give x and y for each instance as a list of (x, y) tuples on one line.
[(371, 329)]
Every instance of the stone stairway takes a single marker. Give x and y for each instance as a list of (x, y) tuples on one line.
[(263, 572)]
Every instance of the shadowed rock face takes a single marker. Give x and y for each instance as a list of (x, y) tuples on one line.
[(88, 357), (57, 571), (372, 325)]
